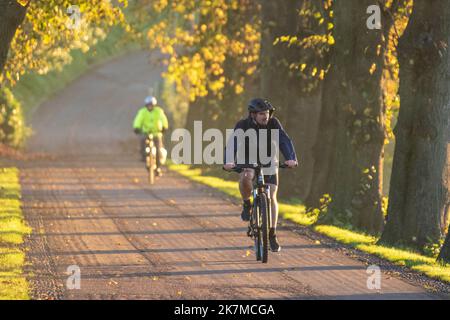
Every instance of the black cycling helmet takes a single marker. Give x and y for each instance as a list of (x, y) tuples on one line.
[(260, 105)]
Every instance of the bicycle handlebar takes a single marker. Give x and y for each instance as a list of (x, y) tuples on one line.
[(239, 167)]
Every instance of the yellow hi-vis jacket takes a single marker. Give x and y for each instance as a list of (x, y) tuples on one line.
[(151, 121)]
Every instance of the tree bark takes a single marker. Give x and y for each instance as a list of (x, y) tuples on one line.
[(353, 133), (11, 16), (419, 191), (297, 110), (324, 142), (196, 112)]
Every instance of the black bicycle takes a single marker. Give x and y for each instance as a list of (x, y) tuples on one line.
[(261, 214)]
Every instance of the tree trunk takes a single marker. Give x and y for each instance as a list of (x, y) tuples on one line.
[(324, 142), (195, 112), (297, 110), (355, 114), (444, 255), (419, 192), (11, 16)]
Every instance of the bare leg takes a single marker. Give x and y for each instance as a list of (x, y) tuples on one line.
[(274, 245), (274, 204), (142, 139), (246, 183)]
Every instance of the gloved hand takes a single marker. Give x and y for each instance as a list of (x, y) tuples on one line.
[(137, 131)]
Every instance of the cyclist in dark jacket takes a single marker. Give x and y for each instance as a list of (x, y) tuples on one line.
[(260, 117)]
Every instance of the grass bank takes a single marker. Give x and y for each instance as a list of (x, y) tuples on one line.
[(296, 212), (13, 229)]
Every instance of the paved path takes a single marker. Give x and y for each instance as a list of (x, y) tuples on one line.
[(89, 206)]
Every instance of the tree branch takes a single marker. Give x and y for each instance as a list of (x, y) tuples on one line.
[(12, 15)]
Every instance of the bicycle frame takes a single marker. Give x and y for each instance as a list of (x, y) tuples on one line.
[(259, 187)]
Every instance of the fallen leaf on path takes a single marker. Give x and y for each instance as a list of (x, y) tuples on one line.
[(112, 282)]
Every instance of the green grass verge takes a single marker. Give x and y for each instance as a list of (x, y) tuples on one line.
[(13, 228), (296, 213)]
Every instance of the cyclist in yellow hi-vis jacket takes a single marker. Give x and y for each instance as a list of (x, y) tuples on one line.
[(151, 119)]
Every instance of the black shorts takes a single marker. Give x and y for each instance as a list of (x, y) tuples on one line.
[(272, 179)]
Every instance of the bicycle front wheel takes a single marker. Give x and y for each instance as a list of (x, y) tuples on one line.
[(256, 226), (264, 229), (151, 164)]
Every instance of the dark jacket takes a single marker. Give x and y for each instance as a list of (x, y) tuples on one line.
[(285, 143)]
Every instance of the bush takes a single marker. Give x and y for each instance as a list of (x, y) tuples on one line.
[(13, 130)]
